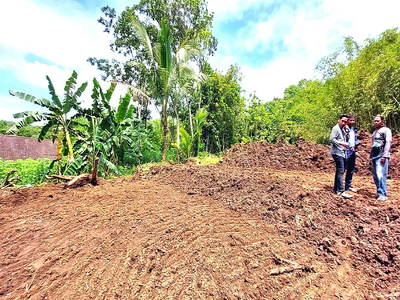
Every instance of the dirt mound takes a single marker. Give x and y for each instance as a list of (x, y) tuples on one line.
[(304, 211), (307, 156)]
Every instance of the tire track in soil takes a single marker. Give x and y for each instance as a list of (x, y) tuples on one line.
[(144, 240)]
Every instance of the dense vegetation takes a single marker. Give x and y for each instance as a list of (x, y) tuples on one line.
[(201, 110)]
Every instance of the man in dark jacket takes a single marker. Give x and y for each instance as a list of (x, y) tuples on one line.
[(338, 151)]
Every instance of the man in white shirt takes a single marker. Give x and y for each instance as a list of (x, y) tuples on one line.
[(351, 154)]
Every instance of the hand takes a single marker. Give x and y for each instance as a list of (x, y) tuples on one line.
[(383, 160), (346, 145)]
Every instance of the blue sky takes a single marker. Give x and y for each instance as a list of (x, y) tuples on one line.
[(276, 43)]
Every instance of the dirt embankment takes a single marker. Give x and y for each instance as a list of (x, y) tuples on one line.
[(307, 156)]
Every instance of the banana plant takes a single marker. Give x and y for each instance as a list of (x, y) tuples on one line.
[(199, 120), (108, 132), (185, 145), (56, 117)]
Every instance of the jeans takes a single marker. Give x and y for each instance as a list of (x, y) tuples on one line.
[(350, 164), (339, 161), (379, 173)]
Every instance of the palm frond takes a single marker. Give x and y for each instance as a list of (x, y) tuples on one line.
[(46, 129), (123, 108), (165, 42), (143, 37), (188, 51), (139, 93), (200, 118), (39, 101), (68, 92), (53, 94), (29, 118), (186, 142), (157, 53)]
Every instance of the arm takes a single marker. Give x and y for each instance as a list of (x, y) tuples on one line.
[(334, 138), (388, 144)]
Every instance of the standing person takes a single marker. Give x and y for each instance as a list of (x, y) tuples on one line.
[(380, 155), (338, 151), (350, 162)]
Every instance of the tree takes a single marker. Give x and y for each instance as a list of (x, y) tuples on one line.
[(172, 32), (221, 97), (167, 71), (368, 81), (57, 117)]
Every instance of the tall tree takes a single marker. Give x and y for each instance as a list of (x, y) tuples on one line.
[(151, 48), (221, 97)]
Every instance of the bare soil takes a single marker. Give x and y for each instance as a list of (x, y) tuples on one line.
[(255, 226)]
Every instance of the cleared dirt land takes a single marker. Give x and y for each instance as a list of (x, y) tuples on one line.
[(259, 225)]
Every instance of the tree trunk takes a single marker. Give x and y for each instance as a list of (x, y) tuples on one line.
[(94, 171), (190, 119), (178, 139), (69, 145), (165, 125)]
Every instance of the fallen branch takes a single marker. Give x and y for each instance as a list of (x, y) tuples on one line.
[(61, 177), (287, 269), (389, 296), (78, 180), (74, 181)]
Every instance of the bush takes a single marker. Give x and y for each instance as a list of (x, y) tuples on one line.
[(30, 171)]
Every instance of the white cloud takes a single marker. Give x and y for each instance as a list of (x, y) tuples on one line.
[(308, 32), (65, 40), (232, 9), (64, 36)]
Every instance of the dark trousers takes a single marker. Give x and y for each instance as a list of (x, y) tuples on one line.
[(350, 164), (339, 162)]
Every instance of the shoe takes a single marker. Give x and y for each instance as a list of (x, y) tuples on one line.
[(346, 195), (382, 198), (350, 189)]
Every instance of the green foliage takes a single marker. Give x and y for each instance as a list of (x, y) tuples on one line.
[(368, 83), (56, 116), (364, 80), (221, 97), (199, 122), (27, 131), (185, 145), (30, 171), (159, 49)]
